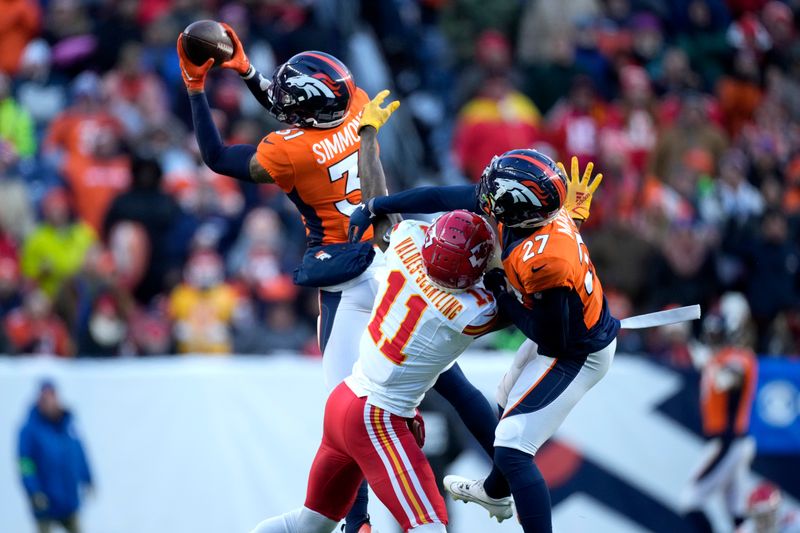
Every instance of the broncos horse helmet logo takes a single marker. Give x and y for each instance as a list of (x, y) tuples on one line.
[(318, 85), (518, 191)]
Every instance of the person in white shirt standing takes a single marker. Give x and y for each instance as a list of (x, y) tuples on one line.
[(430, 306)]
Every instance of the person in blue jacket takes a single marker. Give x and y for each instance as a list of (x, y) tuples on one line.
[(52, 462)]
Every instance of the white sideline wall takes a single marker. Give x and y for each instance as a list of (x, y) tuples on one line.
[(210, 445)]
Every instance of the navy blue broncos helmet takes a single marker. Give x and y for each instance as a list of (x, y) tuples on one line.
[(312, 89), (522, 189)]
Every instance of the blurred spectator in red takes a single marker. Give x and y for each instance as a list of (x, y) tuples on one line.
[(577, 119), (16, 125), (96, 307), (498, 119), (739, 93), (705, 42), (10, 279), (73, 133), (38, 89), (18, 25), (135, 94), (691, 131), (56, 249), (202, 307), (637, 116), (34, 328), (160, 216)]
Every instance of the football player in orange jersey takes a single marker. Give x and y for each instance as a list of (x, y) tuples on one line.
[(317, 164), (727, 387), (554, 297)]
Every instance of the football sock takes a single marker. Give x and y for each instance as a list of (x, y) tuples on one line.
[(358, 516), (496, 485), (471, 405), (531, 496)]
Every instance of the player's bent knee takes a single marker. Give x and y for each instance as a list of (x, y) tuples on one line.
[(429, 528), (510, 433)]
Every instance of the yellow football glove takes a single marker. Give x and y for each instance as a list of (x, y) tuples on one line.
[(376, 116), (580, 189)]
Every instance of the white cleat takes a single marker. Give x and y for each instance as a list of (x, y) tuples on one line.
[(471, 490)]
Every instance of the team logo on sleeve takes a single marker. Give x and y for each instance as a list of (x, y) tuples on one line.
[(318, 85)]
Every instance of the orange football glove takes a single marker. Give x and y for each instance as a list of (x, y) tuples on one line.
[(239, 62), (194, 77)]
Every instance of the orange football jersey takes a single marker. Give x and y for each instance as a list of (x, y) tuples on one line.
[(318, 169), (727, 411), (555, 256)]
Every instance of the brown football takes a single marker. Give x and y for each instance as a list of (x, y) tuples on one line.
[(204, 39)]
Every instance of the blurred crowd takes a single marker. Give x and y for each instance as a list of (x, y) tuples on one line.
[(115, 239)]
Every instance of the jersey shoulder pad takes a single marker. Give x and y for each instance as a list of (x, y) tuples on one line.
[(535, 272), (407, 228), (484, 315), (277, 156)]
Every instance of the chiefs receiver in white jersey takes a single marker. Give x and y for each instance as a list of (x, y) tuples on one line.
[(430, 306)]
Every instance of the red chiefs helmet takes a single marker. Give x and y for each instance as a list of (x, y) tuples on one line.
[(458, 247), (764, 499)]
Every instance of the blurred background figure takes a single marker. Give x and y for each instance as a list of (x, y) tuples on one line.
[(727, 388), (767, 512), (53, 465), (56, 249), (202, 307)]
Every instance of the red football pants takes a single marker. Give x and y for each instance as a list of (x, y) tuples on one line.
[(360, 440)]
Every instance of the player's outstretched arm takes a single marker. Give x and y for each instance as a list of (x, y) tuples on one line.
[(255, 81), (370, 169), (419, 200), (580, 190), (234, 161)]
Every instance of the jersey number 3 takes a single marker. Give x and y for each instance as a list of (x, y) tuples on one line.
[(415, 306), (346, 169)]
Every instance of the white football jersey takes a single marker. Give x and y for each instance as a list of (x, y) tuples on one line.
[(416, 330)]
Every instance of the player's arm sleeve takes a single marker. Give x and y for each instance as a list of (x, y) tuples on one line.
[(547, 322), (233, 161), (27, 465), (258, 85), (428, 200)]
